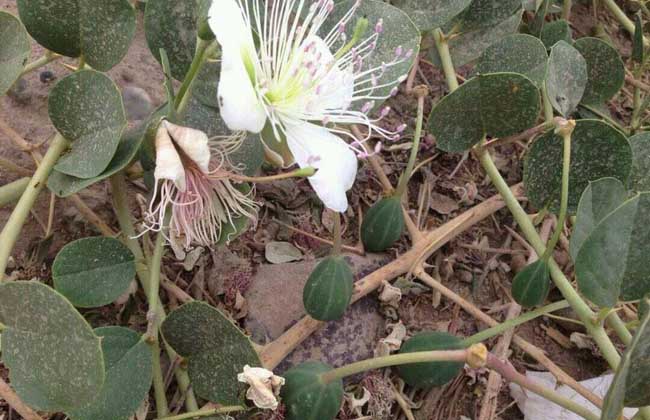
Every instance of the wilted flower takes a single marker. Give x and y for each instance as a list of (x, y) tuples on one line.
[(283, 77), (191, 184), (264, 386)]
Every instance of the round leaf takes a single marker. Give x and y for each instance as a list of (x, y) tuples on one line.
[(306, 397), (54, 357), (215, 348), (328, 290), (498, 104), (86, 108), (487, 13), (599, 199), (556, 31), (519, 53), (65, 185), (127, 359), (467, 46), (613, 261), (14, 50), (598, 150), (605, 70), (640, 175), (93, 272), (566, 78), (426, 375), (173, 26), (399, 31), (431, 14), (100, 30), (631, 384), (531, 285), (383, 225)]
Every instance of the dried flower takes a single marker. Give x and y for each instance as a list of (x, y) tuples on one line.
[(264, 386)]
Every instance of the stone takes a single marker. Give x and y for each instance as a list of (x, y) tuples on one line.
[(137, 103), (275, 304)]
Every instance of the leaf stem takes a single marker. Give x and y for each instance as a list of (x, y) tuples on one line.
[(47, 58), (636, 113), (205, 412), (445, 58), (421, 92), (121, 208), (566, 9), (204, 49), (14, 225), (512, 323), (565, 130), (13, 191), (546, 102)]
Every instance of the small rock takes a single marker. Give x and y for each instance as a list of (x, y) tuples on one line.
[(137, 103), (19, 92), (275, 304), (46, 76)]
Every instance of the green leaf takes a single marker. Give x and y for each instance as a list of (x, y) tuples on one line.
[(483, 14), (638, 50), (307, 397), (631, 384), (383, 225), (100, 30), (566, 78), (93, 272), (519, 53), (54, 358), (600, 198), (65, 185), (467, 46), (556, 31), (612, 263), (173, 26), (127, 359), (539, 21), (14, 50), (215, 348), (399, 31), (203, 114), (531, 285), (498, 104), (431, 14), (605, 70), (598, 150), (86, 108), (430, 374), (640, 175), (328, 290)]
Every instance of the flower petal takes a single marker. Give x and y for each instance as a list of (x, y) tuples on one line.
[(240, 107), (315, 146), (194, 143), (168, 162)]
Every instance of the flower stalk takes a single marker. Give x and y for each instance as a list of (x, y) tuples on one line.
[(421, 92)]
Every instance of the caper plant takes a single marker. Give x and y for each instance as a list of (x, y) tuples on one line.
[(308, 83)]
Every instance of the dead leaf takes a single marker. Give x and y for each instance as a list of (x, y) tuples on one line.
[(443, 204), (390, 294), (282, 252)]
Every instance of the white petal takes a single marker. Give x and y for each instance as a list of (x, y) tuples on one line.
[(168, 162), (315, 146), (240, 106), (193, 142)]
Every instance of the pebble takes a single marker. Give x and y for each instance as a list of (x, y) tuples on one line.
[(137, 103)]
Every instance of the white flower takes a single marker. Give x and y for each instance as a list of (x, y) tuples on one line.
[(264, 386), (201, 198), (300, 85)]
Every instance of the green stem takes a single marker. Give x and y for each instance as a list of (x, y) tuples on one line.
[(394, 360), (445, 58), (548, 107), (162, 407), (12, 191), (121, 208), (564, 199), (512, 323), (47, 58), (636, 113), (205, 412), (204, 49), (14, 225), (415, 148), (566, 9), (620, 15), (616, 323), (336, 235)]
